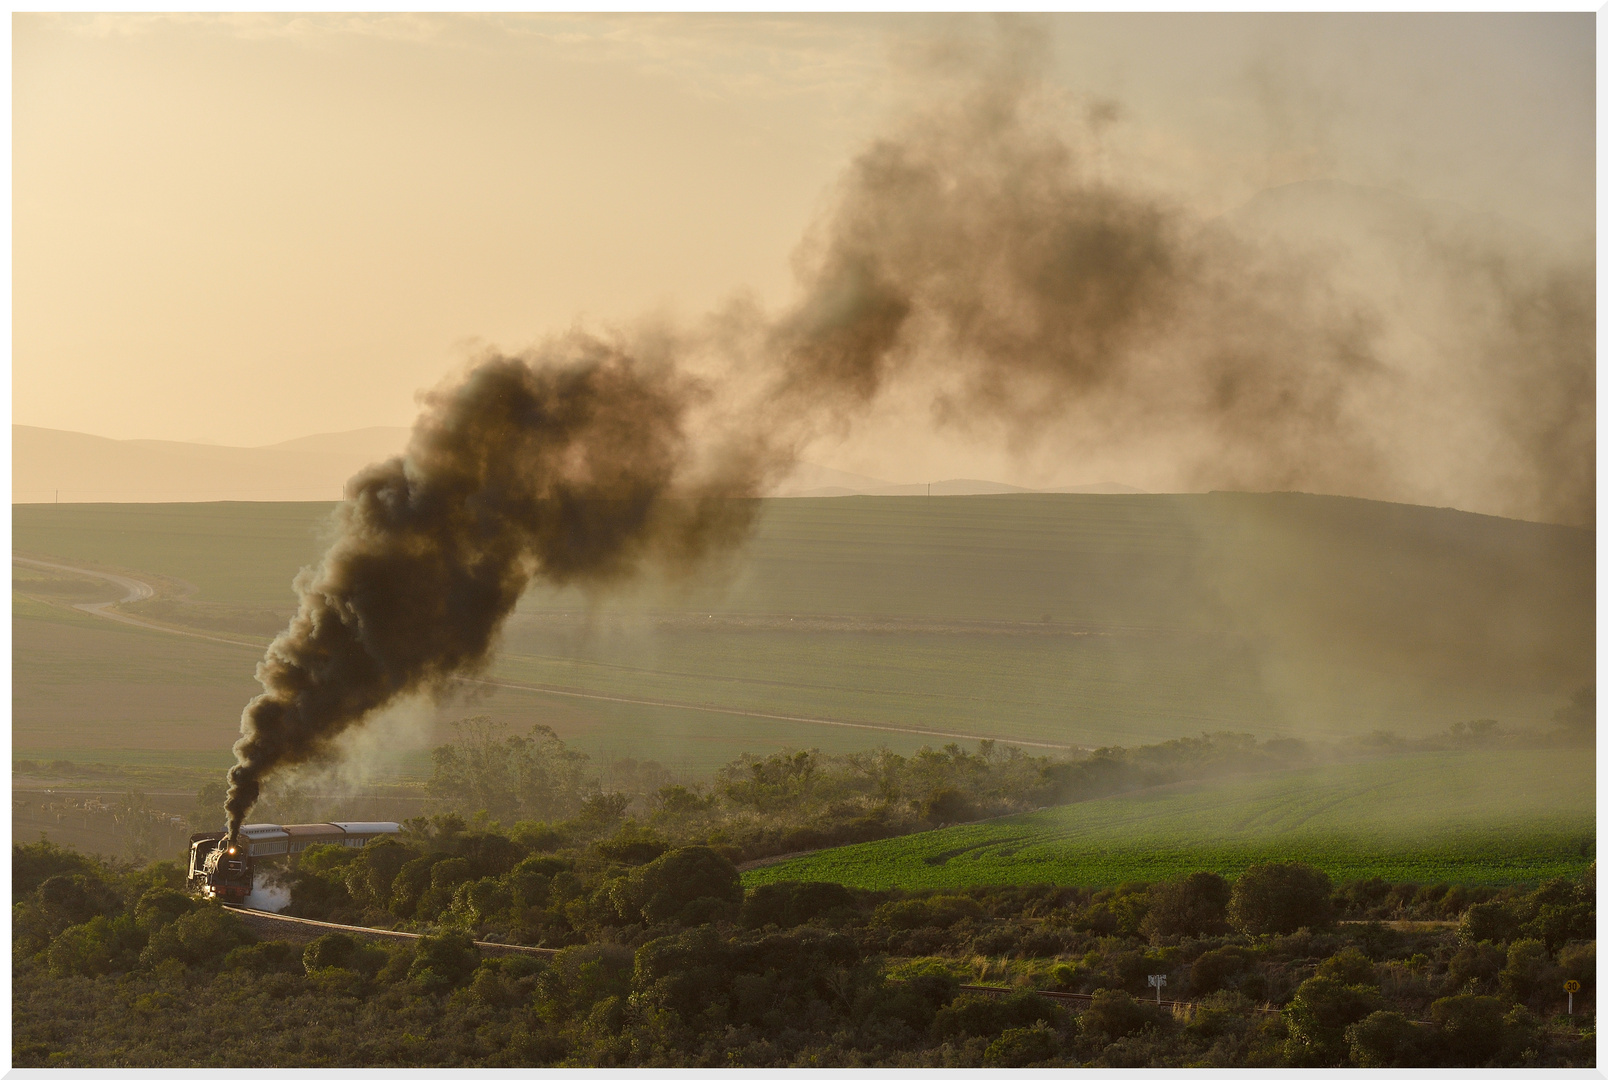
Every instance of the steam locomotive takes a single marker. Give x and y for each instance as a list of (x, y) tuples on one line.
[(228, 873)]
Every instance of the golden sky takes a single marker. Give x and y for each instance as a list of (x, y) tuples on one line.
[(246, 229)]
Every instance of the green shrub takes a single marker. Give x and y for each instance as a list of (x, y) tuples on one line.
[(370, 874), (31, 864), (1530, 976), (1471, 1026), (1188, 907), (1318, 1015), (346, 952), (690, 885), (1113, 1014), (1017, 1047), (786, 904), (972, 1015), (1494, 922), (940, 911), (1280, 898), (1349, 967), (161, 906), (200, 939), (1474, 965), (322, 858), (444, 961), (266, 958), (98, 947), (1388, 1040), (1215, 970)]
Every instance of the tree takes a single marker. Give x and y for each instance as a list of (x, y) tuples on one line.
[(1471, 1026), (1318, 1016), (1530, 976), (1021, 1046), (444, 961), (1189, 907), (1577, 721), (1280, 898), (687, 885), (1388, 1040)]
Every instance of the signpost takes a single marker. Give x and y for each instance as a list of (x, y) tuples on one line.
[(1571, 988), (1158, 981)]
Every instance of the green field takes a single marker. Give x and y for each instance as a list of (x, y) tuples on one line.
[(1477, 818), (1052, 620)]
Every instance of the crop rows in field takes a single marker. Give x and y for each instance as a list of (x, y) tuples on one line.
[(1062, 620), (1469, 817)]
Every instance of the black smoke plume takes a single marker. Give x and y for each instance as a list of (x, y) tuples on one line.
[(973, 251), (570, 466)]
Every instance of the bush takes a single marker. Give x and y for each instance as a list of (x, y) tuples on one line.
[(1114, 1014), (444, 962), (786, 904), (679, 886), (1280, 898), (369, 876), (31, 864), (1319, 1014), (200, 939), (1215, 970), (947, 806), (1474, 965), (1494, 922), (1017, 1047), (1530, 976), (488, 854), (161, 906), (972, 1015), (940, 911), (1388, 1040), (1349, 967), (97, 947), (411, 881), (322, 858), (266, 958), (345, 952), (77, 898), (1472, 1028), (632, 844), (916, 1001), (1190, 907)]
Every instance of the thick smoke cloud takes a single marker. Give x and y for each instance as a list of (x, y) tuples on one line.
[(974, 252), (569, 465)]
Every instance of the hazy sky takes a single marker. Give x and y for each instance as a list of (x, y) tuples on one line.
[(251, 228)]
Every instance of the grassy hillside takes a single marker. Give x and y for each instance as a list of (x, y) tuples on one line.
[(1477, 818), (1051, 619)]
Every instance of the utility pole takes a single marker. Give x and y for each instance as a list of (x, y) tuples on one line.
[(1158, 981)]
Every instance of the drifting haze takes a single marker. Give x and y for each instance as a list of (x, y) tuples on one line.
[(214, 214), (971, 256)]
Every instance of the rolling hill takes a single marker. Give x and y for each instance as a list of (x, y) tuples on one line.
[(844, 623)]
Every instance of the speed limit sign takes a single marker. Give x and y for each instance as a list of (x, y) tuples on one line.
[(1573, 986)]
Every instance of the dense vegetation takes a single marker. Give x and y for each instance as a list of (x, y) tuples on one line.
[(1481, 815), (667, 960)]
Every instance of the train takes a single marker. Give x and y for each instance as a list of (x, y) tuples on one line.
[(228, 873)]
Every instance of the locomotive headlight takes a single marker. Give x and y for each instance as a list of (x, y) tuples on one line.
[(231, 851)]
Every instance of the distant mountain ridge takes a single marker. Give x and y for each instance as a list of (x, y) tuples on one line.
[(68, 466)]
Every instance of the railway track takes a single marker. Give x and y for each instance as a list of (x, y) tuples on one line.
[(267, 925)]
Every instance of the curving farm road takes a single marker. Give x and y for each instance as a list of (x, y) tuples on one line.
[(133, 590)]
